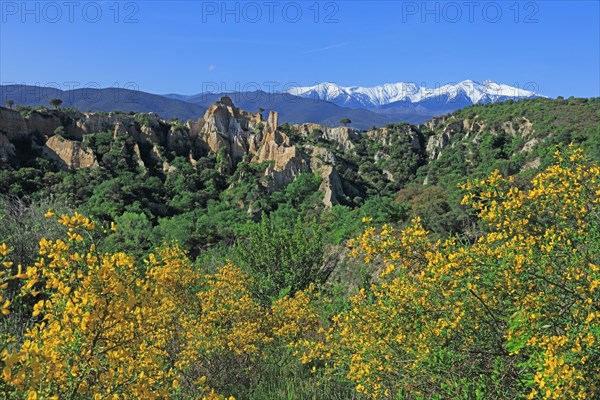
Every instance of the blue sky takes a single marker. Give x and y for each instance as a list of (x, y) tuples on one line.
[(187, 46)]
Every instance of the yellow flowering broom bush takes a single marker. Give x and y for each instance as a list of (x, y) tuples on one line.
[(513, 314), (105, 327)]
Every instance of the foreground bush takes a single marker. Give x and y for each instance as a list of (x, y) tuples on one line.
[(105, 327), (514, 314)]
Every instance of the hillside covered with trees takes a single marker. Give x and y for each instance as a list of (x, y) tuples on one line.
[(233, 256)]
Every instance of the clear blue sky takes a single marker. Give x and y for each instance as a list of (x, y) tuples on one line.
[(187, 46)]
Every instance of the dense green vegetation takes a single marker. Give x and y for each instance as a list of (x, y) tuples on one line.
[(286, 241), (506, 128)]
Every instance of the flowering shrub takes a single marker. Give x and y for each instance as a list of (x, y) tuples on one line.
[(107, 328), (514, 314), (104, 327)]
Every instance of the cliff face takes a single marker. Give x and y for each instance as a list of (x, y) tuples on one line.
[(69, 153), (225, 129), (344, 137), (447, 129), (229, 133)]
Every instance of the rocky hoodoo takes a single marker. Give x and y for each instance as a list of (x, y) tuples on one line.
[(287, 162), (237, 133), (323, 164), (227, 128)]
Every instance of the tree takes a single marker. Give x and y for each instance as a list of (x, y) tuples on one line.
[(345, 121), (56, 102), (433, 205), (316, 134), (60, 131), (281, 259), (10, 103), (132, 235)]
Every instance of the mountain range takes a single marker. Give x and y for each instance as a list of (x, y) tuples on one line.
[(325, 103), (373, 98)]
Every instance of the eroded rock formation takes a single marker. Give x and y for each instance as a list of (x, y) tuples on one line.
[(69, 153), (233, 135)]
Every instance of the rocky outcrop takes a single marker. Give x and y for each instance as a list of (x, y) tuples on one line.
[(344, 137), (436, 144), (225, 126), (272, 122), (44, 123), (69, 153), (80, 124), (522, 127), (237, 134), (331, 186), (138, 155), (447, 127), (322, 163), (286, 161), (386, 135), (527, 147), (7, 149), (12, 124), (179, 141)]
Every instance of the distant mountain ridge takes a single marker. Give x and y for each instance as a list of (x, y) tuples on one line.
[(292, 109), (108, 99), (325, 103)]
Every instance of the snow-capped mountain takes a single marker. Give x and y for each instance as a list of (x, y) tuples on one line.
[(376, 97)]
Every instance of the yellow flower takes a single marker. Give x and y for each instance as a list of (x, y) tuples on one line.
[(4, 249)]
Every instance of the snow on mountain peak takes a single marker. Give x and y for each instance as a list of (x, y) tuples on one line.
[(377, 96)]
